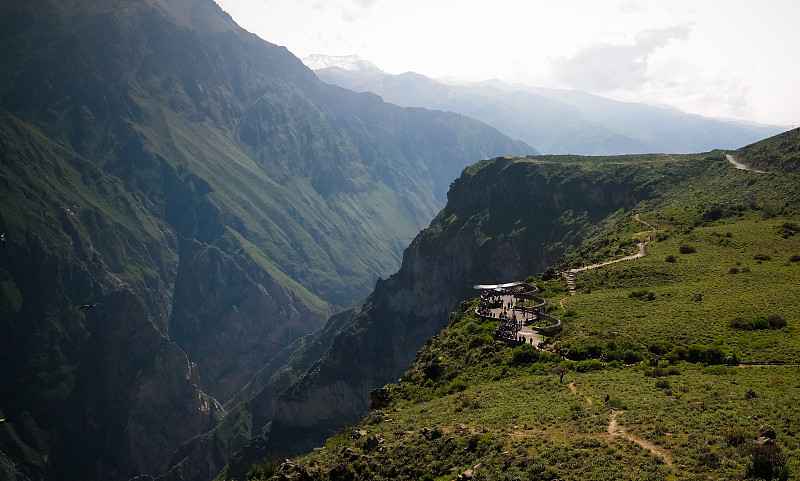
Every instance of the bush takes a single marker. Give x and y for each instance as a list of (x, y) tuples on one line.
[(662, 384), (588, 366), (767, 462), (659, 347), (712, 355), (457, 385), (772, 321), (776, 322), (631, 357), (524, 354), (687, 249), (671, 258), (762, 257), (264, 470), (656, 372), (643, 294), (794, 258), (735, 437), (708, 458)]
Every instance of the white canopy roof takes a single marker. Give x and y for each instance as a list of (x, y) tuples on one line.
[(484, 287)]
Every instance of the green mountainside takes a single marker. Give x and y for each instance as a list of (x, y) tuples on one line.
[(776, 153), (205, 197), (682, 364)]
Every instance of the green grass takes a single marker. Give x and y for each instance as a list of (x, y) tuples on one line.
[(723, 247), (696, 297)]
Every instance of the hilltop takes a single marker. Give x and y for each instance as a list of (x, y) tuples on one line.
[(673, 363)]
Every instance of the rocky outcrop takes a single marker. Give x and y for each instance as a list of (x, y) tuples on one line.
[(135, 398), (231, 319)]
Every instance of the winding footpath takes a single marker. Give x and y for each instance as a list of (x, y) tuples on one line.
[(615, 430), (570, 274)]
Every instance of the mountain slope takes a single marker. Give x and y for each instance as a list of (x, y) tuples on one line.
[(555, 121), (780, 153), (505, 218), (207, 194), (642, 391)]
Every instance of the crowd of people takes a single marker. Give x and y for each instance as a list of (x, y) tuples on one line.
[(489, 300), (508, 328), (510, 325)]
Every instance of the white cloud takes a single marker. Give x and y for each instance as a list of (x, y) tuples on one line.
[(605, 67), (713, 57)]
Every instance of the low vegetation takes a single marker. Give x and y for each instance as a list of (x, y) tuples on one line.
[(687, 353)]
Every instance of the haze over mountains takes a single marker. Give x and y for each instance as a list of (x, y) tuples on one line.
[(554, 121)]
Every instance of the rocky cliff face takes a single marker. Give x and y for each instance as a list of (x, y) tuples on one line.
[(505, 219), (135, 398), (207, 194)]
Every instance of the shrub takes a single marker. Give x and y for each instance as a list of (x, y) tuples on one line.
[(687, 249), (264, 470), (671, 258), (762, 257), (712, 355), (524, 354), (708, 458), (734, 270), (659, 347), (767, 462), (694, 353), (736, 436), (631, 357), (740, 323), (662, 384), (775, 321), (457, 385), (794, 258), (589, 365), (643, 294)]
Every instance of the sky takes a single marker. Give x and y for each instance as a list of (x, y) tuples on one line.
[(732, 59)]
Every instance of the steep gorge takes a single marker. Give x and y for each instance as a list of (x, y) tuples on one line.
[(207, 194), (505, 219)]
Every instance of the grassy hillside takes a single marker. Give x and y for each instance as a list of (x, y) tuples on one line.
[(645, 392), (781, 153)]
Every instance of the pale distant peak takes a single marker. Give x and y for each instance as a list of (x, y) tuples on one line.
[(350, 63)]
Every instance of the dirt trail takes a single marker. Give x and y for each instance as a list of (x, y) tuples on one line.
[(615, 430), (575, 391), (570, 274)]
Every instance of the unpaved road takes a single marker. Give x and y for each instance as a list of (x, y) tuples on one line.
[(741, 166)]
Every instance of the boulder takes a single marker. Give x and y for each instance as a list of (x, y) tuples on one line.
[(767, 431)]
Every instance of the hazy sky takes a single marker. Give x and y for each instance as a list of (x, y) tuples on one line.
[(720, 58)]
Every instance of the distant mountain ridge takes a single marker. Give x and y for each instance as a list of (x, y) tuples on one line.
[(554, 121)]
